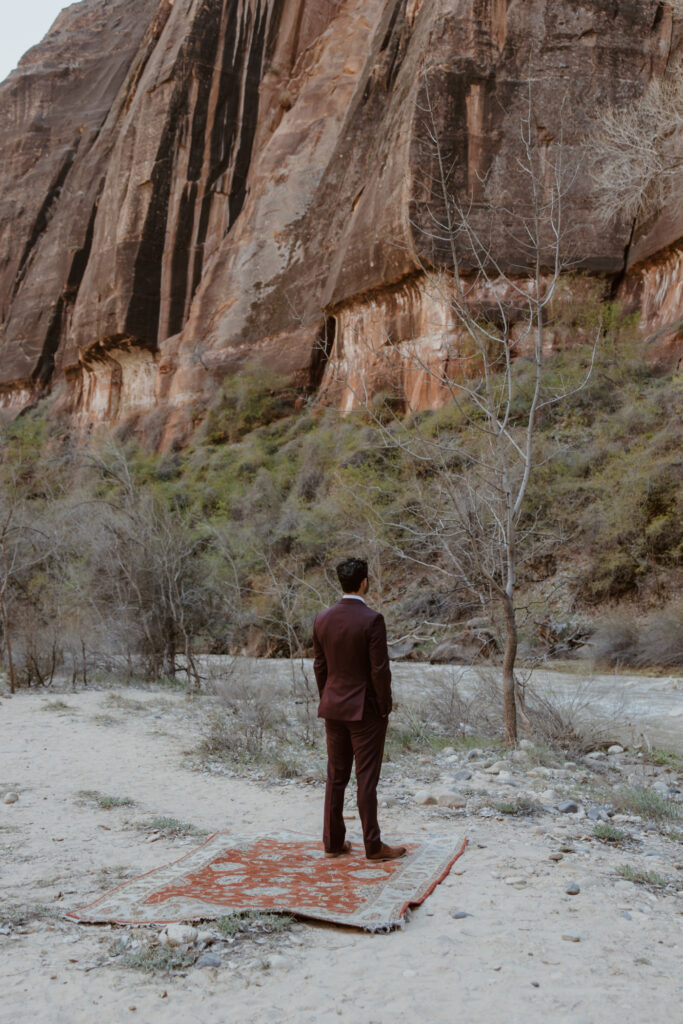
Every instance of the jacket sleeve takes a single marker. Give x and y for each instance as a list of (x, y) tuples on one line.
[(380, 671), (319, 663)]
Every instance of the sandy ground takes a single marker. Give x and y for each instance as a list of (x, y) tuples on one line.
[(506, 962)]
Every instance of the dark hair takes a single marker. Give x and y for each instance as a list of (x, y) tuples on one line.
[(351, 573)]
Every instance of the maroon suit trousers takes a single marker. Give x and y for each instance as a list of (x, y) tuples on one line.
[(348, 741)]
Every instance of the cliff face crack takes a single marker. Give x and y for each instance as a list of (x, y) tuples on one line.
[(43, 216)]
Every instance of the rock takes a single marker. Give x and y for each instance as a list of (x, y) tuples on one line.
[(149, 251), (209, 960), (10, 798), (601, 813), (571, 938), (496, 767), (277, 960), (463, 775), (568, 807), (504, 776), (424, 797), (615, 749), (597, 755), (625, 914), (458, 915), (514, 880), (474, 753), (452, 800), (447, 752), (526, 745), (572, 889), (548, 797), (178, 935), (206, 937), (556, 856), (451, 652)]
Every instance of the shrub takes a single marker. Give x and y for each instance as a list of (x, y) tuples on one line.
[(607, 833), (658, 640)]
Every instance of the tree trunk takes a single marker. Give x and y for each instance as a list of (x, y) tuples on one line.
[(509, 658), (8, 648)]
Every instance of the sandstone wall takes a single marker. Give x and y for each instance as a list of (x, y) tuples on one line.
[(192, 184)]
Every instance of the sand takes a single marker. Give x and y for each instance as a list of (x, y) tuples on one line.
[(506, 962)]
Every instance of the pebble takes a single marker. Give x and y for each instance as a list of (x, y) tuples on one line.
[(597, 755), (572, 889), (548, 796), (474, 753), (425, 797), (177, 935), (571, 938), (463, 775), (10, 798), (504, 776), (451, 800), (209, 960), (615, 749), (514, 880), (556, 856), (625, 914), (496, 767), (568, 807), (458, 915)]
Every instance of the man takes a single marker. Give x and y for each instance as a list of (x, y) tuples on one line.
[(354, 679)]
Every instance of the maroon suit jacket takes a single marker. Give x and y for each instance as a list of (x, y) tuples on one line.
[(351, 661)]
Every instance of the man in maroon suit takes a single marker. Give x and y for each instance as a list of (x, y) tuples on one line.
[(354, 679)]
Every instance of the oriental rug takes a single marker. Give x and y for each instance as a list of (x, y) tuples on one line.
[(285, 873)]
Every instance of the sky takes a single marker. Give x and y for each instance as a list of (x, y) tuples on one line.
[(24, 23)]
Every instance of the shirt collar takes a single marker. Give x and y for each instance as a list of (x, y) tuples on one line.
[(353, 597)]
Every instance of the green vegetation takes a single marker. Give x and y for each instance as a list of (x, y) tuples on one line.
[(18, 914), (646, 803), (132, 562), (251, 922), (170, 828), (152, 957), (608, 833), (518, 808), (666, 759), (104, 802), (651, 879)]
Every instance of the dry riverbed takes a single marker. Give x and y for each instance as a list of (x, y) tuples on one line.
[(111, 783)]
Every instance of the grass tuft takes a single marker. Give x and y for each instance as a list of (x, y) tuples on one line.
[(519, 808), (242, 922), (153, 958), (170, 828), (607, 833), (640, 877), (646, 803), (103, 801)]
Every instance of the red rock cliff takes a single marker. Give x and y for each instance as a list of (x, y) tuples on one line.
[(191, 184)]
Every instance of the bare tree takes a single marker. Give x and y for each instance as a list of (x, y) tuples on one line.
[(147, 565), (637, 151), (25, 547), (492, 270)]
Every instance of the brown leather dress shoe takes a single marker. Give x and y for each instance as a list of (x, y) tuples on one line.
[(346, 848), (387, 853)]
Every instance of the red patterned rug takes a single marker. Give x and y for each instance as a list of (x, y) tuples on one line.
[(284, 872)]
